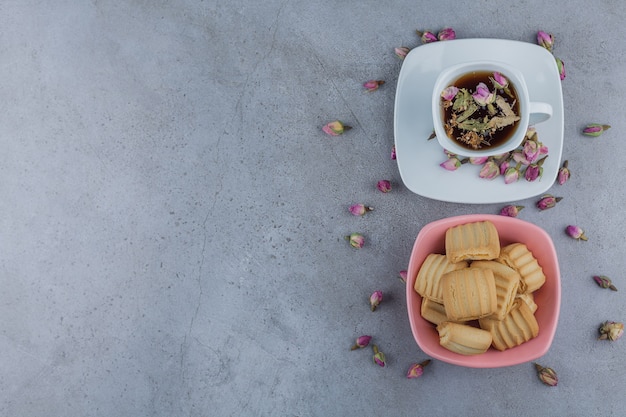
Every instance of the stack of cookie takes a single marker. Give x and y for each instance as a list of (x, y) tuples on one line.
[(478, 293)]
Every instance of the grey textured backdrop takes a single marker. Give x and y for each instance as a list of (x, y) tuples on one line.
[(171, 237)]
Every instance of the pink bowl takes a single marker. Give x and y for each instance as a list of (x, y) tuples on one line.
[(548, 298)]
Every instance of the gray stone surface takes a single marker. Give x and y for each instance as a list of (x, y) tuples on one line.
[(173, 218)]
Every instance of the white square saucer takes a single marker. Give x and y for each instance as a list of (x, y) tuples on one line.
[(418, 158)]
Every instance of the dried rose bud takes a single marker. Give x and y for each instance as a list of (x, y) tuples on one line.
[(575, 232), (482, 96), (427, 36), (545, 39), (604, 282), (595, 129), (504, 165), (393, 153), (359, 209), (547, 202), (361, 342), (403, 275), (534, 171), (511, 210), (561, 67), (449, 93), (335, 128), (384, 186), (356, 240), (379, 357), (446, 34), (518, 156), (451, 164), (564, 174), (375, 299), (547, 375), (478, 160), (401, 52), (531, 151), (417, 369), (611, 330), (511, 174), (489, 171), (372, 85), (499, 81)]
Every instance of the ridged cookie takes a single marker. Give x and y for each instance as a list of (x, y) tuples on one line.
[(472, 241), (507, 282), (433, 311), (428, 281), (519, 326), (469, 294), (529, 299), (463, 339), (518, 257)]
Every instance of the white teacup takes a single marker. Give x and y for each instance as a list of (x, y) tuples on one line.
[(530, 112)]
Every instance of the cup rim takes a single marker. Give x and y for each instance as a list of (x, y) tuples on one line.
[(455, 71)]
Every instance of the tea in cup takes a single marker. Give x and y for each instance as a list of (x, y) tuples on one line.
[(483, 108)]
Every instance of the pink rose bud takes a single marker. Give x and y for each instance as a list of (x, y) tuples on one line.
[(393, 153), (499, 81), (547, 202), (427, 37), (504, 165), (575, 232), (417, 369), (478, 160), (561, 67), (534, 171), (356, 240), (384, 186), (449, 93), (518, 156), (611, 330), (482, 96), (545, 39), (361, 342), (401, 52), (403, 276), (489, 171), (335, 128), (446, 34), (531, 151), (359, 209), (604, 282), (511, 210), (379, 357), (547, 375), (451, 164), (564, 174), (372, 85), (595, 129), (511, 174), (375, 299)]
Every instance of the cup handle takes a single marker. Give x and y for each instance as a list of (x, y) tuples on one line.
[(539, 112)]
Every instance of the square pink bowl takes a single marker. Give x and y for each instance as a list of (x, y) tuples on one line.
[(548, 298)]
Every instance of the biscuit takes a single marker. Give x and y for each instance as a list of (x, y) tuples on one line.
[(472, 241), (433, 311), (428, 281), (518, 257), (507, 282), (463, 339), (519, 326), (469, 294), (529, 299)]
